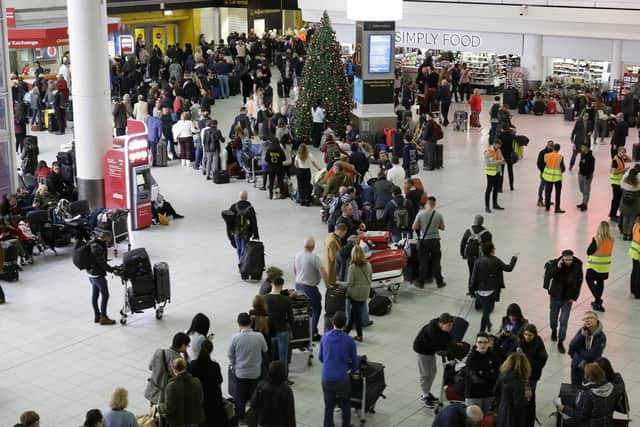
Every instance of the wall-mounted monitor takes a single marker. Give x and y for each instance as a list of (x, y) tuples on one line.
[(380, 53)]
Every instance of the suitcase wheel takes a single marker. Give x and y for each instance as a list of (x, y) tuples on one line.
[(159, 313)]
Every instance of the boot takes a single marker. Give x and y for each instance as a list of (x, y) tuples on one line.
[(104, 320)]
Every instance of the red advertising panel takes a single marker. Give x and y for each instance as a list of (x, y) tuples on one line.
[(127, 45), (11, 17), (115, 179)]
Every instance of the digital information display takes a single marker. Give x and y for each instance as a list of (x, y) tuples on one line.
[(380, 53)]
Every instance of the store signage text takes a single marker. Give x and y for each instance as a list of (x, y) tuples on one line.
[(443, 40)]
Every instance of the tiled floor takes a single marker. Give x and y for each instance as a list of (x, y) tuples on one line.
[(56, 361)]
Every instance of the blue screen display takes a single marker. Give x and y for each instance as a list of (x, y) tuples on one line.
[(379, 53)]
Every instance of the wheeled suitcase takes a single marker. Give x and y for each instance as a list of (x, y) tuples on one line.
[(234, 85), (64, 157), (334, 300), (412, 270), (510, 97), (459, 329), (636, 152), (161, 155), (388, 260), (568, 114), (52, 123), (140, 302), (162, 281), (439, 161), (376, 240), (221, 177), (280, 89), (367, 388), (143, 285), (252, 262), (136, 263), (398, 145)]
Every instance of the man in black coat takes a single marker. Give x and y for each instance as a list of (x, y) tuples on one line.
[(562, 279), (620, 133), (432, 338), (585, 174), (472, 240), (540, 163)]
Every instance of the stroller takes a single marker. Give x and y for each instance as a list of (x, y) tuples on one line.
[(460, 120), (144, 287), (48, 235)]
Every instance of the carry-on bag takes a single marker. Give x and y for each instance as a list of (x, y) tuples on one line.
[(136, 263), (161, 154), (380, 305), (221, 177), (162, 281), (252, 262)]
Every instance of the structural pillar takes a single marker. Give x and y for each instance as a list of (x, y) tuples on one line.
[(90, 94), (8, 169), (616, 63), (532, 60)]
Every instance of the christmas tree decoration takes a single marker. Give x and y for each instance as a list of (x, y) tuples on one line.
[(324, 81)]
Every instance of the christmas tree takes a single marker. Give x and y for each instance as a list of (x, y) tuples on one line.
[(324, 80)]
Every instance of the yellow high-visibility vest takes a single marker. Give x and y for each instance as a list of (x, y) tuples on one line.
[(552, 171), (600, 260)]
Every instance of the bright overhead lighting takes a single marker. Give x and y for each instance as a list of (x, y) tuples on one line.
[(374, 10), (168, 13)]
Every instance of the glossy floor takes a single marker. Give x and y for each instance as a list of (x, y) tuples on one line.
[(56, 361)]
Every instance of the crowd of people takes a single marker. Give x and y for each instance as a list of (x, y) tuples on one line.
[(175, 92)]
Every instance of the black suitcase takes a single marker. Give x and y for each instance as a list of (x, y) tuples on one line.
[(161, 154), (143, 285), (221, 177), (439, 156), (459, 329), (510, 97), (398, 145), (234, 85), (412, 270), (31, 141), (136, 263), (280, 89), (569, 114), (252, 263), (53, 123), (140, 302), (636, 152), (334, 300), (65, 158), (162, 281), (371, 383)]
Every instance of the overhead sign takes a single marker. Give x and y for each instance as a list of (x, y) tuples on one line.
[(10, 13), (459, 40), (127, 45)]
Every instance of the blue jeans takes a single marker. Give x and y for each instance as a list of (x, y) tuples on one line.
[(153, 147), (487, 304), (224, 85), (337, 393), (314, 296), (563, 309), (99, 285), (365, 312), (36, 118), (240, 243), (280, 348)]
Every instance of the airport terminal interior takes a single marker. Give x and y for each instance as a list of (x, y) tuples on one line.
[(56, 361)]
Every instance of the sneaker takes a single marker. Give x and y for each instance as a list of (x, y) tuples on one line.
[(561, 348), (290, 383), (597, 306), (498, 208), (540, 203), (430, 402), (441, 285), (96, 319), (178, 216), (359, 339), (554, 335), (369, 323), (487, 210), (559, 211)]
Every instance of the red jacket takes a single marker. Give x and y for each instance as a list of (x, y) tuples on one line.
[(476, 103)]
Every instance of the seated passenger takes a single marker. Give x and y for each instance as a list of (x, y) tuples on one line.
[(44, 199), (161, 206)]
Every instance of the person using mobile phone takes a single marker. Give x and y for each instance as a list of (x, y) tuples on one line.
[(563, 280), (586, 346)]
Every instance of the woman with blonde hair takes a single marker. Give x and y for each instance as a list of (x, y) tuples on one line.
[(358, 288), (599, 263), (117, 414), (512, 391), (303, 162)]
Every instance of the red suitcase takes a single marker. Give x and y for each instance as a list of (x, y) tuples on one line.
[(452, 394), (388, 134), (376, 240), (392, 259)]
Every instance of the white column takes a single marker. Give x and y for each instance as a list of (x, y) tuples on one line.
[(532, 59), (91, 93), (616, 62)]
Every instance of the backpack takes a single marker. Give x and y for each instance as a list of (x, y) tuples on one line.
[(401, 216), (82, 257), (472, 247), (380, 305), (242, 224), (436, 131)]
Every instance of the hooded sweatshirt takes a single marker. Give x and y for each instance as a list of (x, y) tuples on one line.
[(594, 405), (338, 355)]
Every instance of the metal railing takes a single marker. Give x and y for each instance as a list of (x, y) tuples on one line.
[(590, 4)]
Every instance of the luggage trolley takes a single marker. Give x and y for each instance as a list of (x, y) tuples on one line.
[(144, 287), (301, 329), (460, 120), (251, 161), (115, 222), (367, 387)]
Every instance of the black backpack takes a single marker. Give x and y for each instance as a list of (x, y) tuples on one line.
[(242, 223), (401, 216), (380, 305), (82, 257), (472, 246)]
